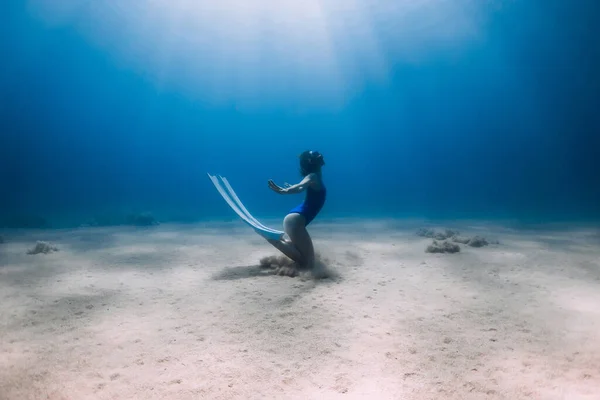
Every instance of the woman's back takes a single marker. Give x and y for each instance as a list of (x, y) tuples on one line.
[(316, 194)]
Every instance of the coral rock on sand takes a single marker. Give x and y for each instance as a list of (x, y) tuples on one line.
[(461, 239), (42, 247), (477, 241), (442, 247), (437, 234)]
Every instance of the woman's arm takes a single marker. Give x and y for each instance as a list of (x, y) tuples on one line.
[(293, 189)]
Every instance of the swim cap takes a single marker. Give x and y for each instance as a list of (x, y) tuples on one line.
[(310, 161)]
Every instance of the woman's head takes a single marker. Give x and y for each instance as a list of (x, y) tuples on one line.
[(310, 162)]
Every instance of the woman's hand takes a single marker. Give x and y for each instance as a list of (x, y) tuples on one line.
[(291, 189), (274, 187)]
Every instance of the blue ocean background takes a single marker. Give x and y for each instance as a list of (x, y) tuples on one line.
[(425, 109)]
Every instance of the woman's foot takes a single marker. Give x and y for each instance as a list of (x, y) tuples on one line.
[(288, 249)]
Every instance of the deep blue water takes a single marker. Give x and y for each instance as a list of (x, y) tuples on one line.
[(477, 109)]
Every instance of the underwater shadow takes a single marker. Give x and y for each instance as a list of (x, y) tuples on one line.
[(243, 272), (321, 273)]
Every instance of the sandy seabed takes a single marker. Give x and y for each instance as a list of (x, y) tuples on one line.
[(186, 312)]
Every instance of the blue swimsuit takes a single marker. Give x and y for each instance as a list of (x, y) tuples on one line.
[(312, 204)]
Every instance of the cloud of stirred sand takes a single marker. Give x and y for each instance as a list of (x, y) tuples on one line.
[(284, 266)]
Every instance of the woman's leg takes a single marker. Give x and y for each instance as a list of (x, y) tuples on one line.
[(288, 249), (294, 226)]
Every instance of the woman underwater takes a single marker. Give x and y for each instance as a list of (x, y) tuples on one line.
[(300, 247)]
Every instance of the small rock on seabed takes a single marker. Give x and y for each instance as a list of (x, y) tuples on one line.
[(442, 247), (42, 247)]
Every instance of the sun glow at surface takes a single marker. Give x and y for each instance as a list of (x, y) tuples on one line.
[(234, 51)]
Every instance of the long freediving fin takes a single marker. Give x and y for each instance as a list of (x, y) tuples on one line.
[(238, 207), (239, 203)]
